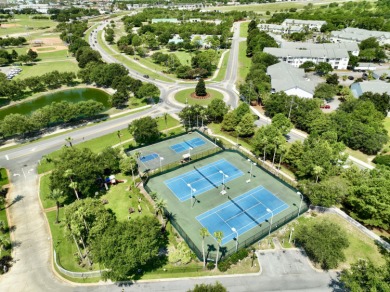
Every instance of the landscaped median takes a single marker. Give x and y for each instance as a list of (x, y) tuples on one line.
[(187, 96)]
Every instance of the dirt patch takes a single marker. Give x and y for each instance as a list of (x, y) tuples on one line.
[(47, 45), (8, 25), (193, 95)]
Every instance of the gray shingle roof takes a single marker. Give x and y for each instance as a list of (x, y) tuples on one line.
[(350, 46), (285, 77), (374, 86), (357, 34), (309, 53)]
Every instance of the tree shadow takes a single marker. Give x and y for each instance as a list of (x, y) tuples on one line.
[(336, 284), (15, 200)]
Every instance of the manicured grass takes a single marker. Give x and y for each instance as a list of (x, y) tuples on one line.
[(129, 63), (244, 29), (3, 177), (120, 199), (98, 144), (244, 63), (3, 217), (44, 191), (184, 57), (361, 246), (216, 129), (185, 95), (360, 155), (222, 70), (42, 68), (63, 245), (23, 22)]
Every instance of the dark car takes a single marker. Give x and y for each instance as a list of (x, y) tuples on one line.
[(351, 77), (146, 76)]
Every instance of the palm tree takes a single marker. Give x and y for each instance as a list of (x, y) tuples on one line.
[(218, 236), (204, 233), (69, 140), (317, 170), (283, 149), (159, 207), (2, 226), (69, 174), (4, 242), (118, 133), (264, 140), (56, 195)]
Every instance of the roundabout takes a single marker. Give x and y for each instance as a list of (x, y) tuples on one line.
[(187, 96)]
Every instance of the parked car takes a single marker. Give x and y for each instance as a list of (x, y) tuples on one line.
[(351, 77), (325, 106), (146, 76)]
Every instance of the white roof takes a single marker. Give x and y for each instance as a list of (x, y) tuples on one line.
[(358, 34), (296, 53), (350, 46), (303, 22), (285, 77)]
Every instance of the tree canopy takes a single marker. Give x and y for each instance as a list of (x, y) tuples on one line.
[(144, 130)]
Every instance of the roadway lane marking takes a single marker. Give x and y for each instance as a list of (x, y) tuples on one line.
[(24, 173), (30, 170), (16, 174), (6, 157), (33, 149)]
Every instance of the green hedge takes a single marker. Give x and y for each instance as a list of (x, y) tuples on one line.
[(224, 265), (382, 159)]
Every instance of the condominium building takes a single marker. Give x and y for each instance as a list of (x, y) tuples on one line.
[(310, 24), (352, 34)]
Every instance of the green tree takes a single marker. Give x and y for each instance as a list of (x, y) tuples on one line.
[(246, 125), (200, 89), (333, 79), (325, 91), (323, 68), (365, 276), (144, 130), (308, 66), (230, 121), (217, 287), (217, 109), (281, 122), (32, 54), (57, 196), (324, 242), (127, 246), (242, 110), (204, 233)]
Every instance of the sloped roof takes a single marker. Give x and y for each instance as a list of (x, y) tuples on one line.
[(285, 77)]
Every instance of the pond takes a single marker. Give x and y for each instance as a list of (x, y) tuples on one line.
[(70, 95)]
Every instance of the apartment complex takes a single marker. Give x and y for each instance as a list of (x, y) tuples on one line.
[(351, 34)]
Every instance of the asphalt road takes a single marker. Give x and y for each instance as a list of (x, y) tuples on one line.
[(32, 270)]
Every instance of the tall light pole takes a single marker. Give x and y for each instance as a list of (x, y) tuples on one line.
[(215, 141), (235, 230), (272, 216), (189, 152), (300, 204), (223, 181), (161, 159), (192, 191), (250, 172)]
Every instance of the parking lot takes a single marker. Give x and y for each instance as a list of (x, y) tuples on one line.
[(11, 72)]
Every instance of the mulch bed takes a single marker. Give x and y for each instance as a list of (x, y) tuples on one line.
[(193, 95)]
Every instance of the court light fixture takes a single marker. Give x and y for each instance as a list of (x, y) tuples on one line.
[(272, 216)]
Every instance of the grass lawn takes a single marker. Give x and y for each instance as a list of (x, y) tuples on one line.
[(98, 144), (244, 63), (184, 57), (222, 70), (64, 247), (360, 155), (3, 177), (39, 69), (216, 129), (44, 191), (361, 246), (120, 199), (21, 22), (185, 95), (244, 29)]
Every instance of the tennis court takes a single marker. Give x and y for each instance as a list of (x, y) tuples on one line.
[(242, 213), (171, 150), (202, 179), (186, 145)]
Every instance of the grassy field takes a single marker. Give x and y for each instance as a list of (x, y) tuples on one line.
[(244, 29), (3, 177), (41, 68), (387, 127), (44, 190), (185, 96), (244, 63), (24, 24), (184, 57), (361, 246), (360, 155), (129, 63), (98, 144), (222, 70)]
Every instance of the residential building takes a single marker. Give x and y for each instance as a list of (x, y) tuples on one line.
[(352, 34), (310, 24), (291, 80), (351, 47), (278, 28), (170, 20), (382, 73), (374, 86), (176, 39), (337, 58)]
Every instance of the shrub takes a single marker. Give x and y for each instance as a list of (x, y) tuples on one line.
[(210, 266), (382, 159), (239, 255), (223, 266)]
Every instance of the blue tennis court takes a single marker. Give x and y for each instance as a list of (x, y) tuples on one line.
[(148, 157), (202, 179), (242, 213), (183, 146)]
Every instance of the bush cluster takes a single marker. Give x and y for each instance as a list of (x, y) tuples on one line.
[(224, 265)]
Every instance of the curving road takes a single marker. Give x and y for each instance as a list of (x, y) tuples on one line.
[(32, 270)]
